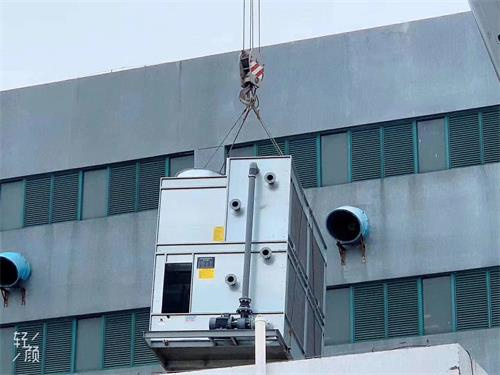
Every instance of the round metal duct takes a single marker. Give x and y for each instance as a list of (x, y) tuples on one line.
[(14, 268), (347, 224)]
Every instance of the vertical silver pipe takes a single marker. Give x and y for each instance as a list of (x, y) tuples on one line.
[(253, 170)]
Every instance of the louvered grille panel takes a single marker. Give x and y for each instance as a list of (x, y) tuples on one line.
[(305, 161), (117, 340), (491, 136), (150, 173), (58, 346), (122, 187), (318, 276), (365, 155), (65, 197), (398, 150), (464, 140), (369, 312), (296, 300), (142, 353), (24, 364), (402, 301), (268, 149), (495, 297), (37, 202), (471, 300)]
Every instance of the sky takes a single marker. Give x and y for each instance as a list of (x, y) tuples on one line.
[(47, 41)]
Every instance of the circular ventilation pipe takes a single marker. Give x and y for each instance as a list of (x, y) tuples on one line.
[(14, 268), (266, 253), (347, 224), (270, 178), (231, 279), (235, 204)]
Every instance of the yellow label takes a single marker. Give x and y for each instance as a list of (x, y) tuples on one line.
[(206, 273), (219, 234)]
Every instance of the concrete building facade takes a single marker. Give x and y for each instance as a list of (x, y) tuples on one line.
[(402, 121)]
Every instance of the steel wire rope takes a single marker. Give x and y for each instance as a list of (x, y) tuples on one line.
[(225, 137)]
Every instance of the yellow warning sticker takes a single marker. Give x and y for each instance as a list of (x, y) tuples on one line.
[(218, 234), (206, 273)]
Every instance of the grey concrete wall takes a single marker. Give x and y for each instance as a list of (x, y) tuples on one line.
[(82, 267), (419, 224), (410, 69), (483, 345)]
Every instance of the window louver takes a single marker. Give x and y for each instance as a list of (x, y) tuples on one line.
[(305, 160), (117, 340), (495, 297), (37, 202), (491, 136), (122, 189), (398, 150), (365, 154), (142, 353), (150, 173), (369, 312), (58, 347), (65, 197), (268, 149), (33, 330), (402, 302), (465, 147), (471, 300)]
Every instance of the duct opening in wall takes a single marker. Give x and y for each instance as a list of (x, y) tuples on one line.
[(8, 272), (349, 226)]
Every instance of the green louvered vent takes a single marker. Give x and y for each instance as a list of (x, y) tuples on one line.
[(37, 202), (305, 161), (117, 340), (365, 154), (122, 189), (402, 308), (369, 310), (150, 173), (142, 353), (58, 346), (465, 148), (65, 197), (398, 150), (268, 149), (25, 365), (472, 300), (495, 297), (491, 136)]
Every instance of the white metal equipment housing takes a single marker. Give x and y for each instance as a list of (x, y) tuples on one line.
[(199, 261)]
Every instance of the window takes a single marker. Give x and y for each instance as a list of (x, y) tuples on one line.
[(11, 205), (88, 351), (337, 324), (176, 288), (242, 151), (122, 189), (117, 339), (6, 343), (437, 305), (35, 333), (94, 193), (366, 154), (65, 197), (305, 160), (398, 150), (150, 173), (335, 159), (58, 350), (37, 201), (431, 145), (465, 145), (180, 163), (472, 299), (369, 312), (142, 353), (491, 135)]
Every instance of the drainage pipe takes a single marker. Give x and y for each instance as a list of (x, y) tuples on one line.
[(260, 345)]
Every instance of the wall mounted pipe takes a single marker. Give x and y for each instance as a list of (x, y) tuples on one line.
[(348, 224), (14, 268)]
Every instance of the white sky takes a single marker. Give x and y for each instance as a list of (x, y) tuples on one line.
[(45, 41)]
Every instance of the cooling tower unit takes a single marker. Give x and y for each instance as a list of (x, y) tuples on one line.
[(230, 247)]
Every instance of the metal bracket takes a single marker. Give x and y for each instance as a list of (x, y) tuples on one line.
[(5, 297), (342, 251)]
